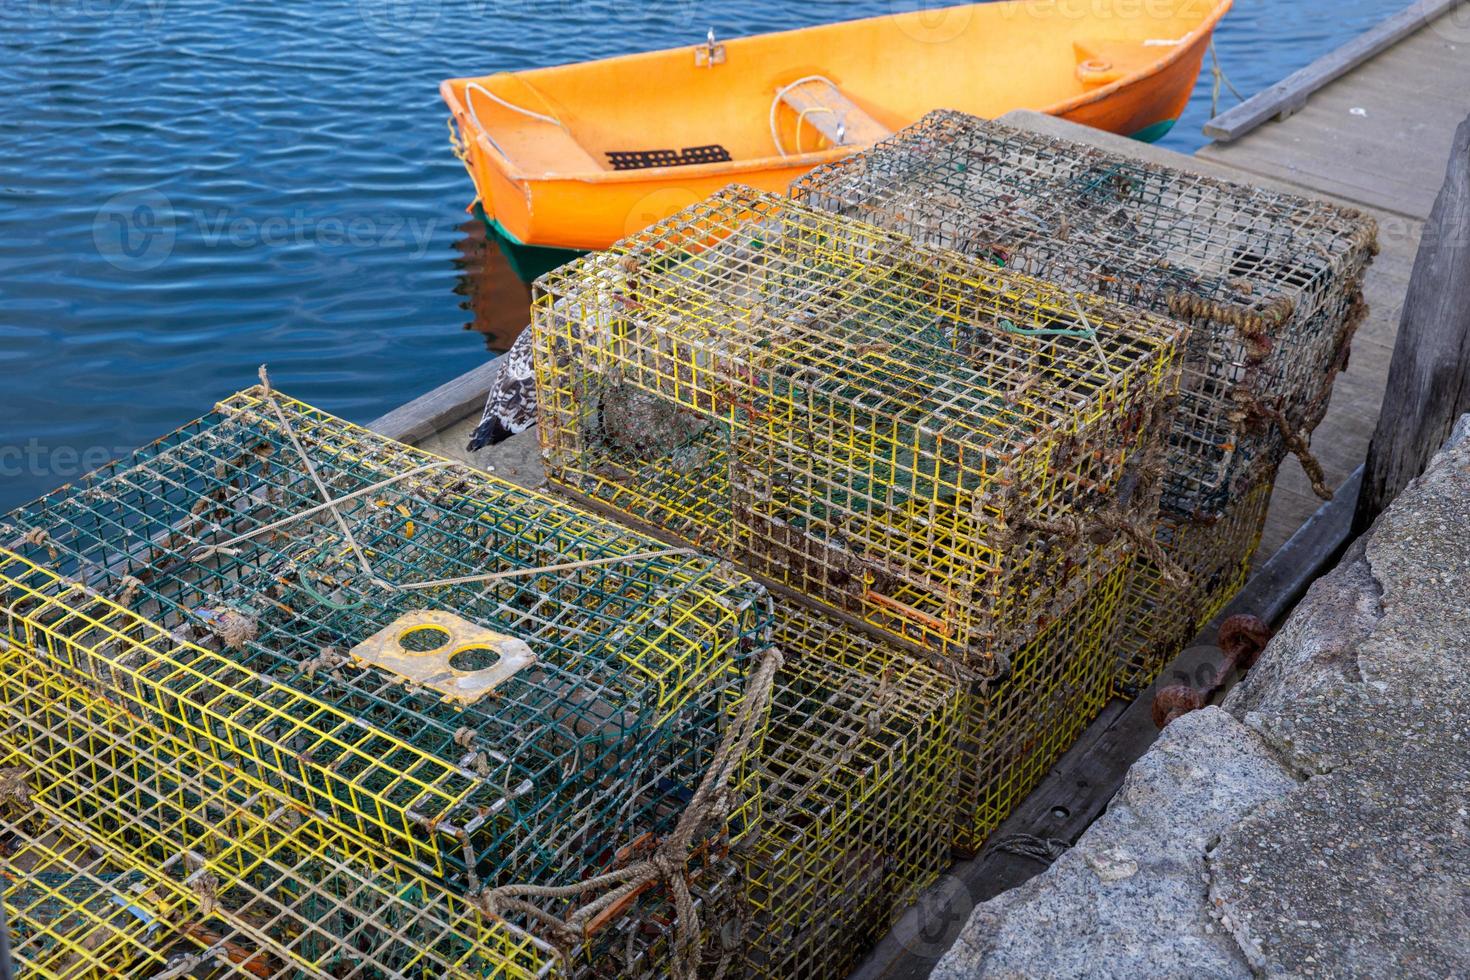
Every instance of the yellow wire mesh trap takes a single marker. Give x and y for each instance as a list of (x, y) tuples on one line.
[(875, 425), (1160, 618), (127, 854), (1014, 729), (202, 583), (1270, 282), (858, 781)]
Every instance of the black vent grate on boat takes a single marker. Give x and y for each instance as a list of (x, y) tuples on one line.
[(690, 155)]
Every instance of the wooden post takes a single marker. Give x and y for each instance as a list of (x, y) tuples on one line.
[(1429, 376)]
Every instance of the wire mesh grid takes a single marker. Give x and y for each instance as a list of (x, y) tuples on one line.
[(858, 777), (131, 855), (1160, 619), (1271, 283), (1014, 730), (872, 424), (166, 577)]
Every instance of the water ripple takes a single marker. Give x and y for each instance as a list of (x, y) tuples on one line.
[(191, 187)]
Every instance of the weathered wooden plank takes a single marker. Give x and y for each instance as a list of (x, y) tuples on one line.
[(1374, 137), (1429, 376), (444, 406), (1377, 163), (1291, 93)]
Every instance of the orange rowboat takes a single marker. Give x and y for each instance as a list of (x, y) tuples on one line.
[(581, 155)]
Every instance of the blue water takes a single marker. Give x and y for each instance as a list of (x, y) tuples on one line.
[(189, 188)]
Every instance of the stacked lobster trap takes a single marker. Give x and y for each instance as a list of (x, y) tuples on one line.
[(473, 685), (1013, 729), (922, 443), (1270, 284), (129, 854), (858, 788)]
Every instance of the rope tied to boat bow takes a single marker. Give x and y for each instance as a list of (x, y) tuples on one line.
[(670, 859)]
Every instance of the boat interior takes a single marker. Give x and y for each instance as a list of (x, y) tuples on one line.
[(806, 91)]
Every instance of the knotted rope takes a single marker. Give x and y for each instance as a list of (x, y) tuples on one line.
[(670, 859), (1043, 849), (1113, 521), (1296, 443)]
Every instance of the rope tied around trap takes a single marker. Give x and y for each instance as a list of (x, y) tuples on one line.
[(670, 859), (1112, 521), (1298, 442)]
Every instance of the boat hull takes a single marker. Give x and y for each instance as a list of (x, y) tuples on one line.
[(561, 206)]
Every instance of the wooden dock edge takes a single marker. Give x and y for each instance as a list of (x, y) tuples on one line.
[(1290, 94), (441, 408)]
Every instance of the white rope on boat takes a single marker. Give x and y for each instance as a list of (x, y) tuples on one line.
[(776, 104)]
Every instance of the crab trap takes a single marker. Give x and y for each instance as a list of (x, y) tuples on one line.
[(885, 428), (858, 778), (127, 854), (487, 685), (641, 943), (1271, 283), (1015, 728), (1162, 616)]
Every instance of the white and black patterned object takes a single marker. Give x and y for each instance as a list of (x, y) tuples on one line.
[(511, 405)]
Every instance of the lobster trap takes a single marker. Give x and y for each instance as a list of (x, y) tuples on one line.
[(858, 780), (640, 945), (894, 431), (1161, 617), (1271, 283), (487, 685), (1015, 728), (130, 855)]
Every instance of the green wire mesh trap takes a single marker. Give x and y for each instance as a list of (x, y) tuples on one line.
[(127, 854), (900, 433), (205, 585), (1271, 283), (858, 780)]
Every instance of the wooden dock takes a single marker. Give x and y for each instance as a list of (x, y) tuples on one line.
[(1375, 137), (1369, 126)]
